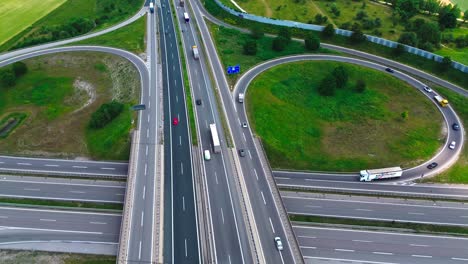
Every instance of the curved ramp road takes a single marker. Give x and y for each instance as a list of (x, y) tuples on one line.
[(336, 245), (445, 157)]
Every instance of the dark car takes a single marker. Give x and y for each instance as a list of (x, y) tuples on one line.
[(432, 165), (455, 126), (198, 101), (389, 70), (175, 121), (241, 152)]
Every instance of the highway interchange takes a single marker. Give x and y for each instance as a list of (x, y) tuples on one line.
[(243, 209)]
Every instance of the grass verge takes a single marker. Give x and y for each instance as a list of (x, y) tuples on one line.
[(188, 94), (458, 173), (130, 37), (303, 130), (42, 257), (429, 66), (416, 227), (71, 204)]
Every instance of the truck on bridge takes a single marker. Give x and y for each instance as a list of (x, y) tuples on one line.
[(441, 101), (377, 174), (215, 138)]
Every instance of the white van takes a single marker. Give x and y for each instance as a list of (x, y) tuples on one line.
[(207, 155)]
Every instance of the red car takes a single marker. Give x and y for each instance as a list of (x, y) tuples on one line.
[(175, 121)]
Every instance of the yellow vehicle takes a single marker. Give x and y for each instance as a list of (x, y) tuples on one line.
[(442, 102)]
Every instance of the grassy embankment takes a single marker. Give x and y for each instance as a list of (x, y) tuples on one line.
[(59, 93), (347, 132), (106, 12), (16, 16), (458, 173), (130, 37), (42, 257), (229, 46), (415, 227), (451, 75)]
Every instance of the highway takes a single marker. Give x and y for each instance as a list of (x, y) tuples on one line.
[(58, 225), (181, 241), (337, 245), (60, 166), (377, 208), (62, 189), (310, 181)]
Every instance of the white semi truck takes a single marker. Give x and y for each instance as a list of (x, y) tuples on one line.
[(186, 17), (151, 6), (377, 174), (215, 139)]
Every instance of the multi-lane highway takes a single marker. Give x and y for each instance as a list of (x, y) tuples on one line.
[(339, 245), (377, 208)]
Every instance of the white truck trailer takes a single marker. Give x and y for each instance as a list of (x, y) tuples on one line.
[(186, 17), (377, 174), (151, 6), (241, 97), (215, 139)]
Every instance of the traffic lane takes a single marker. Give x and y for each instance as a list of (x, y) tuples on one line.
[(16, 235), (389, 210), (59, 180), (62, 191), (316, 175), (390, 247), (60, 220), (456, 192)]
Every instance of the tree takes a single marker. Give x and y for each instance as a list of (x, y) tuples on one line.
[(361, 14), (312, 42), (7, 78), (335, 10), (19, 68), (405, 115), (409, 38), (465, 16), (105, 114), (406, 9), (341, 76), (250, 47), (446, 63), (399, 50), (328, 31), (358, 35), (257, 31), (360, 86), (327, 86), (279, 43), (319, 19), (448, 16), (431, 6), (285, 33), (429, 32)]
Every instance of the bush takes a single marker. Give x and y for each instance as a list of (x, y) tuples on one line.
[(328, 31), (312, 42), (445, 64), (279, 43), (409, 38), (19, 68), (250, 47), (360, 86), (328, 86), (341, 76), (257, 31), (7, 78), (361, 14), (358, 35), (285, 33), (399, 50), (105, 114), (319, 19)]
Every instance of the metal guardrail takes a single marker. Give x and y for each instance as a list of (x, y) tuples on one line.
[(380, 41)]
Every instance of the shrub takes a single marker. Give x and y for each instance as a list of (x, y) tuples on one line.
[(7, 78), (279, 43), (399, 50), (285, 33), (19, 68), (105, 114), (328, 86), (341, 76), (360, 86), (250, 47), (445, 64), (257, 31), (328, 31), (312, 42)]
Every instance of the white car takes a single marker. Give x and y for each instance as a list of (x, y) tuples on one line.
[(452, 145), (244, 125), (207, 155), (427, 89), (279, 244)]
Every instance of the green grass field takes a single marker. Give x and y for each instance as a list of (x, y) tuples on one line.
[(42, 257), (347, 132), (130, 37), (463, 4), (16, 16), (56, 95)]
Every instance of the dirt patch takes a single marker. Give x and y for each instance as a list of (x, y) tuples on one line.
[(83, 89)]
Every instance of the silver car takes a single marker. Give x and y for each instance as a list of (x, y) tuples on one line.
[(279, 244), (452, 145)]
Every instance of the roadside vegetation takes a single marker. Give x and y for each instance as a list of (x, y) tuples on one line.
[(331, 116), (438, 69), (130, 37), (42, 257), (362, 223), (235, 47), (72, 18), (59, 94), (48, 203), (458, 173)]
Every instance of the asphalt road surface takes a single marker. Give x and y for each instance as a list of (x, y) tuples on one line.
[(336, 245), (377, 208)]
